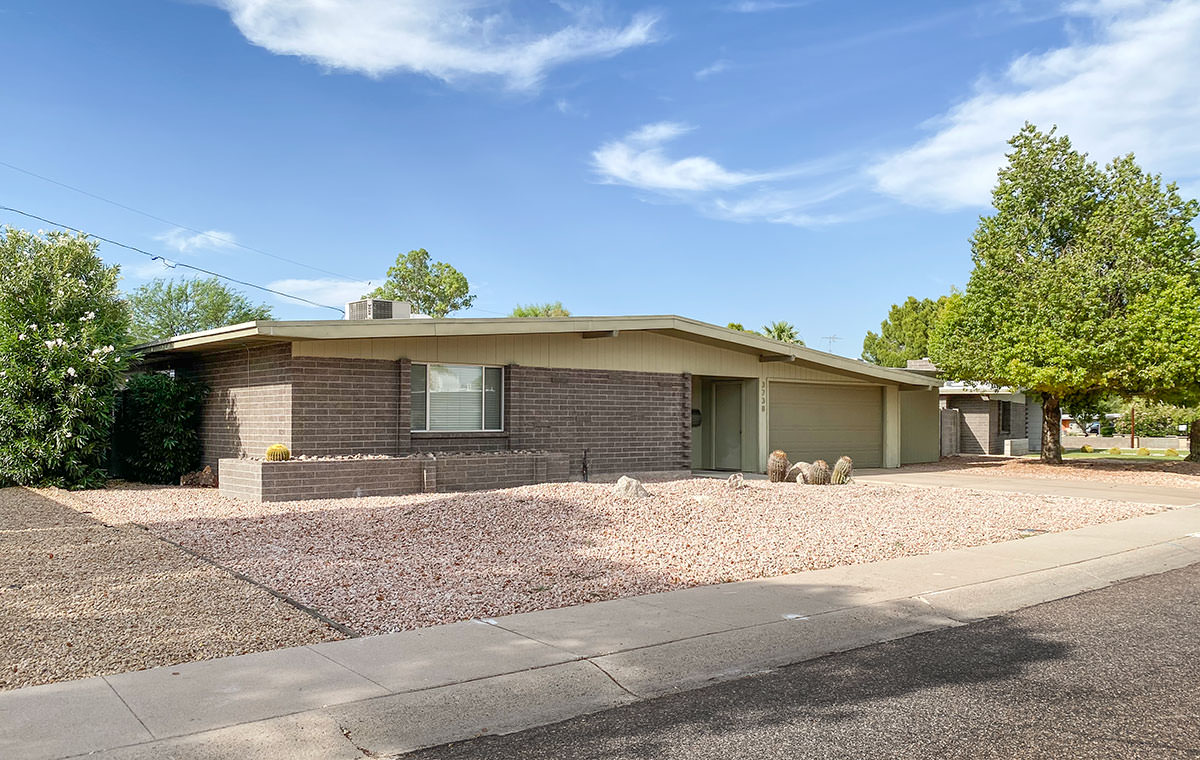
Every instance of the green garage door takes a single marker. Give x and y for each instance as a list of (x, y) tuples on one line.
[(827, 421)]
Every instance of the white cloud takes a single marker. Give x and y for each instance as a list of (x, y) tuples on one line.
[(798, 195), (1131, 85), (638, 160), (716, 67), (448, 39), (186, 241), (329, 292), (759, 6)]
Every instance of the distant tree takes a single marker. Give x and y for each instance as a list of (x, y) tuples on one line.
[(163, 308), (540, 310), (1089, 408), (434, 289), (782, 331), (905, 333), (1086, 280), (63, 327), (737, 326)]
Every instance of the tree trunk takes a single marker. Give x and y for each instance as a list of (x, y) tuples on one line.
[(1051, 430), (1194, 441)]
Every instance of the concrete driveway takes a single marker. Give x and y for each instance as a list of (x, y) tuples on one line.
[(1086, 489)]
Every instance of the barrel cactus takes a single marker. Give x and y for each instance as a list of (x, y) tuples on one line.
[(843, 470), (777, 466), (818, 474), (277, 452)]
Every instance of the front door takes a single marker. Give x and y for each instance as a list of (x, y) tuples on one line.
[(727, 427)]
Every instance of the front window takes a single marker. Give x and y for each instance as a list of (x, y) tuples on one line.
[(456, 398), (1005, 416)]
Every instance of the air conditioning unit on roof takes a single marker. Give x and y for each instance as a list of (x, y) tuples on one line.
[(378, 308)]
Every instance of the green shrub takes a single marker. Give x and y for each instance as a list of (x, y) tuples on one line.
[(1086, 449), (62, 325), (1172, 452), (1155, 419), (1143, 452), (157, 433), (1115, 450)]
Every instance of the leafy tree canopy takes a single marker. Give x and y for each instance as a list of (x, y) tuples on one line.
[(782, 331), (1085, 279), (904, 334), (433, 289), (737, 326), (540, 310), (163, 308), (62, 327)]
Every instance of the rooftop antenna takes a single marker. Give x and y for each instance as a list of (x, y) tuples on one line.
[(831, 339)]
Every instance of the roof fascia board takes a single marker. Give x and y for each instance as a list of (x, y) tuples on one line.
[(331, 329)]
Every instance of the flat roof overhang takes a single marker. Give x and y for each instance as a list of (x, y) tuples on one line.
[(264, 332)]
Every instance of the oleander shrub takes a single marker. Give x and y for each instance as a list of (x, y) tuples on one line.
[(1172, 452), (1115, 450), (157, 436), (1143, 452), (62, 327), (1086, 449)]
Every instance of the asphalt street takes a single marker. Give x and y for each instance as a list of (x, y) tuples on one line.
[(1113, 673)]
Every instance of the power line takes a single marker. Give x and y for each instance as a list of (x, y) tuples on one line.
[(148, 215), (171, 262)]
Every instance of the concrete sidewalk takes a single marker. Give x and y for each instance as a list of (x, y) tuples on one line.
[(385, 695), (1169, 496)]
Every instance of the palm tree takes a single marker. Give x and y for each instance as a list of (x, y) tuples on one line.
[(783, 331)]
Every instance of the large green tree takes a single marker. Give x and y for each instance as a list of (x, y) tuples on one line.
[(435, 289), (163, 308), (555, 309), (63, 325), (905, 333), (783, 331), (1086, 279)]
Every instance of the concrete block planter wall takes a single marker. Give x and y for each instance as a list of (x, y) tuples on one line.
[(296, 479)]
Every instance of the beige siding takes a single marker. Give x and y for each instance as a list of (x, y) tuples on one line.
[(919, 423), (825, 422), (633, 351)]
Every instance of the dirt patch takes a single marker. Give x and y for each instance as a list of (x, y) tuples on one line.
[(392, 563), (80, 598), (1174, 473)]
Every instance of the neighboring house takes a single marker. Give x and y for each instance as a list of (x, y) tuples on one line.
[(990, 420), (609, 394)]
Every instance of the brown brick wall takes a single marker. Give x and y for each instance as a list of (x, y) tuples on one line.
[(249, 403), (346, 406), (628, 421)]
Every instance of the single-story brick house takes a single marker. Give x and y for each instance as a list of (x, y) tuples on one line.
[(592, 395), (985, 419)]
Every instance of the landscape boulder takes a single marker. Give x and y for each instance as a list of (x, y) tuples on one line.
[(200, 479), (629, 488)]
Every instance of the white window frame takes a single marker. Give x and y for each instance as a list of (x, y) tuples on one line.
[(482, 398)]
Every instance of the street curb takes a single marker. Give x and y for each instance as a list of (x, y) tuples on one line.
[(586, 659)]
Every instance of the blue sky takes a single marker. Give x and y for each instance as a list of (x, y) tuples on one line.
[(740, 160)]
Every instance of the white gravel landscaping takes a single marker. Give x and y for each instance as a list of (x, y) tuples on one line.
[(392, 563)]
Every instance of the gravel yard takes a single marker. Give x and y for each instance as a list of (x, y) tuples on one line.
[(79, 598), (392, 563), (1175, 473)]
